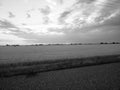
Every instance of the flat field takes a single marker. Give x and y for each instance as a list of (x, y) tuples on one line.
[(77, 67), (12, 54)]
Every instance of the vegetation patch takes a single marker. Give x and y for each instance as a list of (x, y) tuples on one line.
[(32, 68)]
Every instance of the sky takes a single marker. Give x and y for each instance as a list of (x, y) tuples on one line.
[(59, 21)]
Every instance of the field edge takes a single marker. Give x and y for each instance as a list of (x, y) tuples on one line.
[(32, 68)]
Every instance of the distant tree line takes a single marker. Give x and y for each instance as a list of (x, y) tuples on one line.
[(13, 45), (110, 43), (16, 45)]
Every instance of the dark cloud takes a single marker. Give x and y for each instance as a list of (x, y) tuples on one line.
[(115, 21), (63, 16), (85, 1), (114, 4), (107, 26), (81, 25), (110, 8), (5, 24), (110, 23), (101, 34), (45, 11), (11, 15)]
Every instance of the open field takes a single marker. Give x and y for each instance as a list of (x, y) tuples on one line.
[(31, 60), (41, 53), (94, 67)]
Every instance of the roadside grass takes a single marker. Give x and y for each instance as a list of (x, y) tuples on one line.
[(31, 69)]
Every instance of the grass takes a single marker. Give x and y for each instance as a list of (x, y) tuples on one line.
[(32, 68)]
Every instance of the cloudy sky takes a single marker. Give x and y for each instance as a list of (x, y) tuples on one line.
[(59, 21)]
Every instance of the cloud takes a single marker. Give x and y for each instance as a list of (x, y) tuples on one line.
[(61, 1), (5, 24), (113, 21), (11, 39), (85, 1), (89, 14), (24, 24), (11, 15), (10, 33), (45, 14), (0, 4), (30, 10), (28, 15), (63, 16), (45, 11), (26, 32), (82, 19), (46, 20), (9, 28), (52, 37)]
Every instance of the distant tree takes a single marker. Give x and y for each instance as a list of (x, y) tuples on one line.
[(113, 42), (36, 44), (40, 44), (16, 45), (79, 43), (117, 42), (101, 43), (7, 45)]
